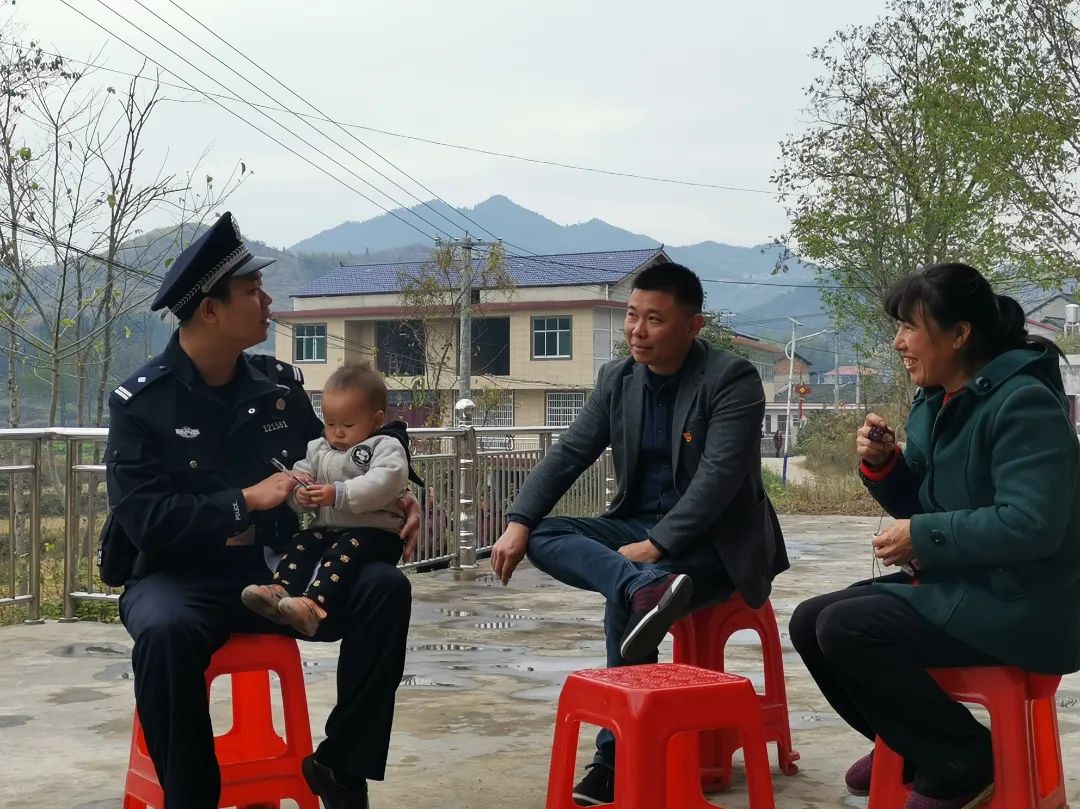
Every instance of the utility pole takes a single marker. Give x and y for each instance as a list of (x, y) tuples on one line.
[(836, 371), (465, 317), (790, 377), (789, 352), (858, 379)]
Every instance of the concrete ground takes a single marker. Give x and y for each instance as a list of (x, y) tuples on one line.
[(476, 707)]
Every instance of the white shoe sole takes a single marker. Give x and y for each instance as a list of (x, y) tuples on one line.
[(586, 800), (981, 798), (645, 637)]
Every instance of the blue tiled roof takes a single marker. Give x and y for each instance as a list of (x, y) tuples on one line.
[(565, 269)]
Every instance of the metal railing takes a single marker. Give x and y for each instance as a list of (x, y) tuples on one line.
[(52, 491)]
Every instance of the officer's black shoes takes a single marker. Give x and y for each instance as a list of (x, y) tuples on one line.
[(262, 599), (334, 795), (653, 609), (597, 787)]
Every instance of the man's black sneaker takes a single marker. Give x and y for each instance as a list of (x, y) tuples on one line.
[(597, 787), (334, 794), (653, 609)]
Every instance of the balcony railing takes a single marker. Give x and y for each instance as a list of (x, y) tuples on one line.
[(52, 493)]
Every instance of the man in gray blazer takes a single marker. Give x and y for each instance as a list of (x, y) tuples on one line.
[(690, 522)]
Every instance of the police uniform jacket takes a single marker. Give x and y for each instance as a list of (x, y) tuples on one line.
[(179, 454)]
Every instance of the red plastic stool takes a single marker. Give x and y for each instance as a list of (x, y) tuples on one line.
[(1024, 727), (701, 640), (258, 767), (656, 713)]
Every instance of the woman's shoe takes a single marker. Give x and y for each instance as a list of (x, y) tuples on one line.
[(857, 778)]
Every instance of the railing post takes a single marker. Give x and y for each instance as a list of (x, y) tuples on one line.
[(71, 525), (465, 558), (35, 532), (610, 484), (545, 443)]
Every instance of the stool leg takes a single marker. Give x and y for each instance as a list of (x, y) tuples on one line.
[(1014, 780), (772, 655), (684, 771), (756, 760), (641, 778), (563, 760), (887, 779), (1046, 743)]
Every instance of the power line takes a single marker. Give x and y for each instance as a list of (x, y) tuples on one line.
[(236, 97), (327, 118), (192, 88), (353, 154), (430, 141), (301, 118), (620, 274)]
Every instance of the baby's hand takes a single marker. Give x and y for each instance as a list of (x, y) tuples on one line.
[(316, 494), (302, 476)]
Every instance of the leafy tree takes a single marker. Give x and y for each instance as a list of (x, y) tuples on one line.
[(935, 134), (433, 300)]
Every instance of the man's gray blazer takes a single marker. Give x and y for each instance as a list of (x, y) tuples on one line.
[(716, 453)]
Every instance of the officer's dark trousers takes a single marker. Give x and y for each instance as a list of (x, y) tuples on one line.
[(868, 652), (179, 618)]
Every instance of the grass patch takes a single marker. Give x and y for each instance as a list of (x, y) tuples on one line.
[(52, 584), (828, 494)]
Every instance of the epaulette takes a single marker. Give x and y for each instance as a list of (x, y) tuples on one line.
[(140, 381), (278, 370)]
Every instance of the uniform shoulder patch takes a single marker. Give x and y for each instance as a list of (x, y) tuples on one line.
[(278, 370), (140, 381)]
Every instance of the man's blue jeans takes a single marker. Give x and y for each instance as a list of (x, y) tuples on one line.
[(584, 553)]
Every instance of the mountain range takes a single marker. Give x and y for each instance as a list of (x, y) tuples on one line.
[(737, 279)]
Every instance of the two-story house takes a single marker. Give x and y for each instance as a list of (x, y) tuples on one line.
[(536, 347)]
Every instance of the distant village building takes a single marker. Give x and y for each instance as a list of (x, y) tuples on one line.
[(536, 351), (1046, 318), (848, 374)]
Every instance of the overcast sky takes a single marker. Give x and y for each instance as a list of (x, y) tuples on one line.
[(699, 90)]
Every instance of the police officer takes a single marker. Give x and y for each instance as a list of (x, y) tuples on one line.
[(191, 439)]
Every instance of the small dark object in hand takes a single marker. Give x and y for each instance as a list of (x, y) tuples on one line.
[(877, 434)]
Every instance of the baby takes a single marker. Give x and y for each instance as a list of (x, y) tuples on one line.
[(352, 478)]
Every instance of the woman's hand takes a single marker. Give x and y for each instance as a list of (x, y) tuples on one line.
[(875, 441), (893, 545)]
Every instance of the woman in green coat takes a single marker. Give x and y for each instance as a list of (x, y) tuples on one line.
[(987, 533)]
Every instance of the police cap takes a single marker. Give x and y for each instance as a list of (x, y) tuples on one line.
[(218, 253)]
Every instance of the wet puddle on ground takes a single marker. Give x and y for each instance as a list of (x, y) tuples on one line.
[(106, 650)]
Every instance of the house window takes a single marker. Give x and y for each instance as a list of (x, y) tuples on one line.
[(416, 408), (316, 403), (551, 338), (309, 342), (562, 407), (607, 333), (400, 346), (491, 346), (493, 410)]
